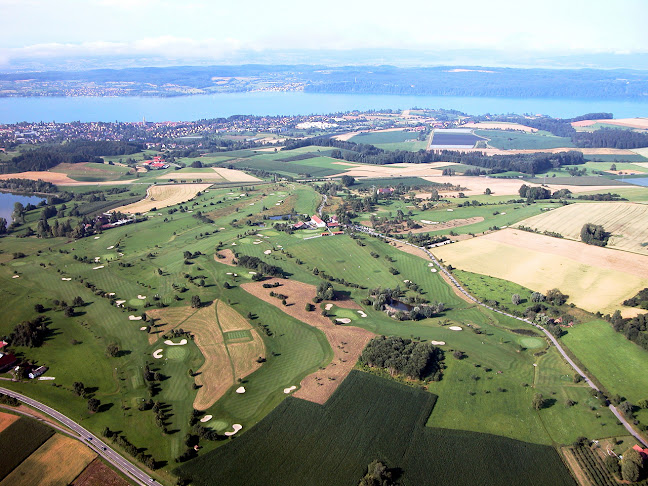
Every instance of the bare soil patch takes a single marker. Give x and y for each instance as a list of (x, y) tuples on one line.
[(346, 342), (229, 257), (395, 170), (99, 474), (6, 419), (166, 319), (53, 177)]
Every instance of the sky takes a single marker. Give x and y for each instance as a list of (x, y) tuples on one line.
[(218, 31)]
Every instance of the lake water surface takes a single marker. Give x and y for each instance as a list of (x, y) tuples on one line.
[(186, 108), (7, 201)]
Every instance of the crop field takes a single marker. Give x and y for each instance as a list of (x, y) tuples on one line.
[(98, 474), (596, 279), (91, 172), (19, 441), (212, 174), (616, 362), (506, 140), (6, 419), (369, 418), (499, 126), (627, 222), (164, 196), (57, 461), (392, 171), (453, 138), (391, 140), (287, 162)]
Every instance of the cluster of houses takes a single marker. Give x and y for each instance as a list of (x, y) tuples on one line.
[(157, 163), (8, 360), (317, 223), (105, 222)]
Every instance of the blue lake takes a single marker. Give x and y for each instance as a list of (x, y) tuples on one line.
[(186, 108), (7, 201), (640, 181)]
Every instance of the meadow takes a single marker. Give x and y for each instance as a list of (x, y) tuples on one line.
[(392, 140), (371, 418), (516, 140), (626, 222)]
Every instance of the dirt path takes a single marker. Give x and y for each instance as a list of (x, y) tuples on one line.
[(346, 342)]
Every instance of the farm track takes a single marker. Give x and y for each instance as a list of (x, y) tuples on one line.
[(554, 341)]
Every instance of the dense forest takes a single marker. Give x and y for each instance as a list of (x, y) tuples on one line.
[(399, 356), (369, 154), (47, 156)]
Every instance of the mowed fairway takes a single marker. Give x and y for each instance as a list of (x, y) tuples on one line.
[(627, 222), (596, 279), (58, 461), (164, 196)]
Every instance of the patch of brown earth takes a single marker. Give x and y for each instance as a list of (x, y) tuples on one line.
[(229, 257), (453, 223), (99, 474), (6, 419), (346, 342)]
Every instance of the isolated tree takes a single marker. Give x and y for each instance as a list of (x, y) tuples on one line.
[(538, 401), (39, 308), (77, 302), (537, 297), (79, 388), (112, 350), (347, 180), (515, 299), (93, 404), (488, 192), (3, 226), (195, 302), (613, 167), (626, 408)]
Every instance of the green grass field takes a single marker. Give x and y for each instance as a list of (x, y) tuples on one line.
[(372, 418), (516, 140), (616, 362)]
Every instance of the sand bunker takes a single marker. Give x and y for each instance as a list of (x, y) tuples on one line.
[(157, 354), (119, 302), (143, 328), (267, 252), (141, 297), (433, 270), (206, 418), (66, 279), (328, 306), (240, 389), (236, 428), (182, 342), (135, 318), (438, 343), (110, 247), (252, 273), (15, 276), (362, 314), (110, 294), (288, 390), (96, 237), (455, 328), (46, 378), (343, 320), (97, 268)]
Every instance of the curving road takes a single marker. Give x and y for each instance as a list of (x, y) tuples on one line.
[(618, 415), (92, 441)]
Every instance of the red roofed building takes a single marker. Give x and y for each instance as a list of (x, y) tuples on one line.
[(642, 452), (6, 361), (317, 221)]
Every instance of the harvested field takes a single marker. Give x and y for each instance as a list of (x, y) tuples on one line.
[(166, 319), (503, 187), (53, 177), (454, 223), (596, 279), (98, 474), (499, 126), (243, 355), (641, 123), (214, 174), (216, 374), (393, 170), (319, 386), (6, 419), (58, 461), (163, 196), (627, 222)]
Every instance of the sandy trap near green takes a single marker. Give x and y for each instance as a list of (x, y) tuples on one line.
[(596, 279), (628, 223)]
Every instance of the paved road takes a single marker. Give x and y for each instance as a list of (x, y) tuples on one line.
[(89, 439), (618, 415)]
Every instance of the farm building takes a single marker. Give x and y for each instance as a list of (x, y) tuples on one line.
[(37, 372), (317, 222), (299, 225), (642, 452), (333, 222), (7, 360), (385, 190), (157, 163)]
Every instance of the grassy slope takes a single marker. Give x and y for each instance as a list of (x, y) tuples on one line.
[(521, 140)]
